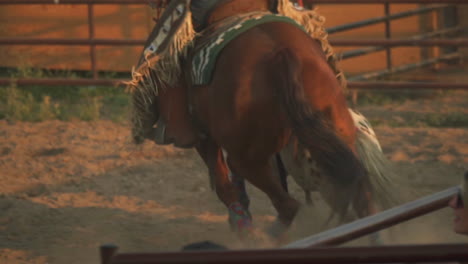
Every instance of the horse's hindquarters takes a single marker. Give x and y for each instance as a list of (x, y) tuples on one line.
[(258, 96)]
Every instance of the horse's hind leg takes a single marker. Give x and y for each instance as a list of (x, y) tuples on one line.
[(239, 184), (230, 190), (260, 175)]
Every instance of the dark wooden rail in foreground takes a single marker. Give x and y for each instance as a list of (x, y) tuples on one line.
[(387, 254)]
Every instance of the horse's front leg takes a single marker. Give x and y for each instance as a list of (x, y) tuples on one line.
[(230, 190)]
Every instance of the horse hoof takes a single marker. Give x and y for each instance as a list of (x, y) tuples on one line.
[(240, 225), (239, 218), (236, 223)]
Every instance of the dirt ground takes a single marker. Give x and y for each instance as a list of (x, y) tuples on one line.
[(68, 187)]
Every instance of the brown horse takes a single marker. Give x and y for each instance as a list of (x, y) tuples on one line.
[(272, 88), (280, 89)]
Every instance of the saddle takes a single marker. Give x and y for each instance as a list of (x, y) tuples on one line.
[(215, 37)]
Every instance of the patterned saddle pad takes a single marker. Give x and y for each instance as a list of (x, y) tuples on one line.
[(216, 37)]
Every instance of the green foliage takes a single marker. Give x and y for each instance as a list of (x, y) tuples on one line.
[(91, 109), (404, 116), (39, 103), (19, 105), (48, 110)]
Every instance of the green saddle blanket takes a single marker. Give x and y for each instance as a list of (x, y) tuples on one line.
[(214, 39)]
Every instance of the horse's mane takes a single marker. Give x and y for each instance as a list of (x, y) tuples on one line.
[(159, 72)]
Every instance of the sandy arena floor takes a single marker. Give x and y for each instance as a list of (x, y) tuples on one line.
[(68, 187)]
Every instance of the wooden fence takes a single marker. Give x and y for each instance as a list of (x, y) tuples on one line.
[(449, 45)]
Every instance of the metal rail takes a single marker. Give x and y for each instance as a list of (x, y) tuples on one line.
[(359, 52), (388, 35), (406, 67), (379, 221), (378, 20), (461, 42), (386, 254), (92, 47)]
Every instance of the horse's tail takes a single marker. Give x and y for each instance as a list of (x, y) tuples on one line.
[(381, 178), (312, 128)]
